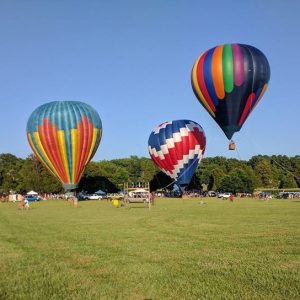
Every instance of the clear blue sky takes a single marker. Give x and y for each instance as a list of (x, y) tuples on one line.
[(131, 60)]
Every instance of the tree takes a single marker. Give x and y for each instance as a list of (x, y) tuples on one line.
[(148, 169), (9, 172), (34, 176), (232, 183), (288, 181), (263, 170)]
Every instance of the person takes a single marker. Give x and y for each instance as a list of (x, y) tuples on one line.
[(231, 197), (75, 201), (26, 203), (152, 198)]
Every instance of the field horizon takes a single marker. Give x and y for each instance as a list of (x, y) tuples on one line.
[(178, 249)]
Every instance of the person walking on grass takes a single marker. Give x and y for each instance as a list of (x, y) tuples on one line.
[(26, 204), (231, 197)]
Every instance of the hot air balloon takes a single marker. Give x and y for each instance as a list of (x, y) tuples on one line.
[(65, 135), (229, 80), (177, 147)]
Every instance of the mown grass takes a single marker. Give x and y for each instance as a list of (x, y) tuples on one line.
[(179, 249)]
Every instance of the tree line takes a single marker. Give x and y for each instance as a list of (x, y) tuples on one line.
[(214, 173)]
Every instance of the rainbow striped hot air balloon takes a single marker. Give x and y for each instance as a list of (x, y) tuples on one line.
[(177, 148), (229, 80), (65, 135)]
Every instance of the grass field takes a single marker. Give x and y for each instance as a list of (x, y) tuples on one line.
[(179, 249)]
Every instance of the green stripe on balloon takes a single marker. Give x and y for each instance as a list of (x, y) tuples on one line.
[(227, 64)]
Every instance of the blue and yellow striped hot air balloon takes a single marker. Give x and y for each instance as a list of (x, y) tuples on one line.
[(65, 135)]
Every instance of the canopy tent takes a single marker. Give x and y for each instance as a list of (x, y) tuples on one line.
[(99, 192), (32, 193), (137, 192)]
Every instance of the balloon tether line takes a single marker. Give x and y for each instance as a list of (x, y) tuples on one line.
[(179, 176)]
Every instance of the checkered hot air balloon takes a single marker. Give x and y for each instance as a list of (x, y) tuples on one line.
[(229, 80), (177, 147), (65, 135)]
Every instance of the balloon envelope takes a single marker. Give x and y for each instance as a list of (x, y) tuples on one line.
[(177, 147), (229, 80), (65, 135)]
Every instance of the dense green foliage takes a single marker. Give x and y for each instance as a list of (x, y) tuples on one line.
[(217, 173), (179, 249)]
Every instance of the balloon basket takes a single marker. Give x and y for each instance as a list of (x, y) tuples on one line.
[(231, 146)]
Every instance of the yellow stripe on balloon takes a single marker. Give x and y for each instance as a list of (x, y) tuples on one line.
[(74, 139), (197, 88), (63, 152), (47, 163), (95, 132)]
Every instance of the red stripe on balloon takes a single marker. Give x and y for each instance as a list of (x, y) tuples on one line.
[(160, 162), (85, 131), (172, 153), (79, 148), (50, 140), (200, 137), (201, 82), (247, 109), (89, 143), (57, 152), (43, 131)]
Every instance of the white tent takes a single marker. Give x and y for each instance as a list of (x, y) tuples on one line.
[(100, 192), (32, 193)]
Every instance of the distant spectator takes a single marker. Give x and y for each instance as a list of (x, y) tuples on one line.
[(26, 204)]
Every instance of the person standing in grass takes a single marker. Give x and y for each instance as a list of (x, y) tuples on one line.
[(26, 204), (231, 197), (75, 201)]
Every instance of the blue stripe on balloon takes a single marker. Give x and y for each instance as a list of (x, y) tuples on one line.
[(58, 110), (154, 141), (187, 171), (258, 92), (207, 66), (169, 131)]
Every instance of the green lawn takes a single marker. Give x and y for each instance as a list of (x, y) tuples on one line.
[(179, 249)]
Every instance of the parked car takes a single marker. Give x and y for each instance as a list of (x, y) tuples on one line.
[(224, 195), (211, 194), (32, 198), (94, 197)]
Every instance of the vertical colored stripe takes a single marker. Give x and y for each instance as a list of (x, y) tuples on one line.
[(57, 152), (74, 142), (89, 144), (45, 156), (45, 133), (217, 73), (238, 65), (36, 152), (227, 68), (84, 145), (247, 108), (199, 85), (207, 70), (262, 92), (63, 152), (80, 143), (95, 133)]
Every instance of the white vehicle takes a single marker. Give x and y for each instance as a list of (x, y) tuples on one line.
[(94, 197), (224, 195)]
